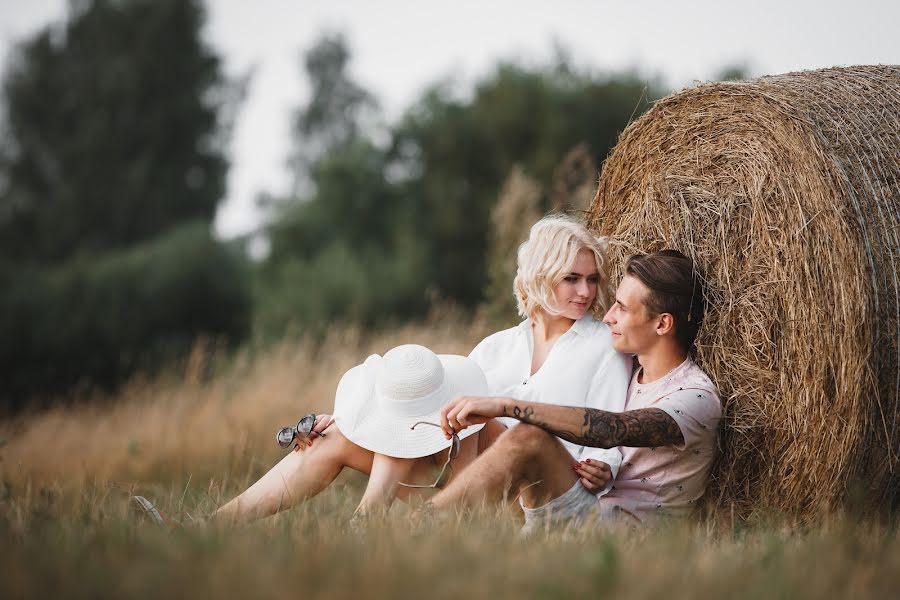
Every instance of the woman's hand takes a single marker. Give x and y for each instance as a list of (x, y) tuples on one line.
[(594, 474), (323, 422)]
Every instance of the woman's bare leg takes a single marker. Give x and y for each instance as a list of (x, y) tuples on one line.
[(298, 476), (387, 472), (303, 474), (489, 434)]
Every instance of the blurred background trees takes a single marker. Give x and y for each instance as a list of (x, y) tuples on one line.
[(113, 160), (112, 165), (396, 217)]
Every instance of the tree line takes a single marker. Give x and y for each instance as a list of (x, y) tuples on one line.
[(114, 158)]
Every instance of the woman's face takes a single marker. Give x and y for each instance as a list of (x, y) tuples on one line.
[(574, 295)]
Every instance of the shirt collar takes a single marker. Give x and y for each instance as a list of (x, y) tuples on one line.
[(582, 326)]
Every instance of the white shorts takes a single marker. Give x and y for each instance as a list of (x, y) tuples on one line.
[(574, 508)]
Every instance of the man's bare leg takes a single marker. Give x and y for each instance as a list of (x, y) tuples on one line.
[(526, 459), (297, 477)]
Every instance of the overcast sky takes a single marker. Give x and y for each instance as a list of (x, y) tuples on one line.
[(401, 46)]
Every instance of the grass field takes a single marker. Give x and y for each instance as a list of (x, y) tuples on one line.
[(192, 440)]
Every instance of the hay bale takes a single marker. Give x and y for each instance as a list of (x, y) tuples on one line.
[(785, 190)]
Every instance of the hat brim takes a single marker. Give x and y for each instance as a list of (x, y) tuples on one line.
[(357, 414)]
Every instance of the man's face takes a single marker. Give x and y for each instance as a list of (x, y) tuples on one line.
[(633, 329)]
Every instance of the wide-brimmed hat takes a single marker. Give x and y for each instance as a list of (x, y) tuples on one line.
[(379, 401)]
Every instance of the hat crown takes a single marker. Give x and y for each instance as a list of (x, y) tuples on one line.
[(409, 373)]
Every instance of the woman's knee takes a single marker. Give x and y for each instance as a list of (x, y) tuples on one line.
[(343, 448), (489, 434)]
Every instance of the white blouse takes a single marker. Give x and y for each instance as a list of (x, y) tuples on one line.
[(582, 370)]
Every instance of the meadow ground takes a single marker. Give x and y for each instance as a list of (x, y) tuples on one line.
[(192, 440)]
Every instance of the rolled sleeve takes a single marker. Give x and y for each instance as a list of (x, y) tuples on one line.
[(697, 413)]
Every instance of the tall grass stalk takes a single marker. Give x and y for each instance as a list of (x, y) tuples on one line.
[(193, 442)]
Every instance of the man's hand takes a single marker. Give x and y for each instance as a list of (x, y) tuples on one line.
[(594, 474), (465, 411)]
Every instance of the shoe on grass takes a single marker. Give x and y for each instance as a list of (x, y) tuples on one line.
[(148, 510)]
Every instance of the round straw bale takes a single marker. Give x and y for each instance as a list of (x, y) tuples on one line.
[(785, 191)]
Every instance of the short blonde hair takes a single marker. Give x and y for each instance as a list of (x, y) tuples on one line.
[(548, 256)]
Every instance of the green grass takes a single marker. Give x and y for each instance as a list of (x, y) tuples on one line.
[(193, 443), (87, 544)]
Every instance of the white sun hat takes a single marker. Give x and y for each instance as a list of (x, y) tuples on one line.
[(378, 402)]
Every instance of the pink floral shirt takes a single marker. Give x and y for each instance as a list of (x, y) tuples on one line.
[(669, 480)]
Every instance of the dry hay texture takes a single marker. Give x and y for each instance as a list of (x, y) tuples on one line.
[(785, 190)]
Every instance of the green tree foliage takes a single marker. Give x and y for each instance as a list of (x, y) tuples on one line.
[(97, 320), (380, 230), (337, 111), (112, 130), (111, 167), (461, 150), (733, 72), (342, 247)]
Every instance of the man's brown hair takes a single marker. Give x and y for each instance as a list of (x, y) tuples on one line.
[(675, 288)]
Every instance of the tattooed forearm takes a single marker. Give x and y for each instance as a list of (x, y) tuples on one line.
[(526, 414), (523, 414), (642, 428)]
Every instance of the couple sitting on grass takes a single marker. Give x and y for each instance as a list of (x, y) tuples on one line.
[(548, 412)]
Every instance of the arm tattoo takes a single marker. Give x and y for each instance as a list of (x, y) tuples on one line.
[(641, 428), (522, 414)]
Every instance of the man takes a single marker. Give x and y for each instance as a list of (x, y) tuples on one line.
[(667, 432)]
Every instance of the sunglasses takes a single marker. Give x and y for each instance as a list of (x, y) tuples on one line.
[(286, 436), (454, 452)]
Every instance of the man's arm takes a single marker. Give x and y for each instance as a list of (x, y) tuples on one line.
[(641, 428), (644, 427)]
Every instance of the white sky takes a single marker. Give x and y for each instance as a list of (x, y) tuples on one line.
[(400, 46)]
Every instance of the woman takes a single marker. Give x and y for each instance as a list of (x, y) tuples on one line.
[(385, 425), (560, 354)]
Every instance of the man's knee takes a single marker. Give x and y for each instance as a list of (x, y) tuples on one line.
[(528, 439)]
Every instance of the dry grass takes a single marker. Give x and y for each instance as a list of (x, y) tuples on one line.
[(191, 442), (516, 210), (87, 547), (217, 417), (786, 192)]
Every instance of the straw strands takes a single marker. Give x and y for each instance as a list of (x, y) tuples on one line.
[(785, 190)]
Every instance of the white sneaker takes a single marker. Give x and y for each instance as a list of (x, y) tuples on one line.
[(147, 509)]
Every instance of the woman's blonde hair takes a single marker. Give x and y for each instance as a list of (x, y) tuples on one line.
[(548, 256)]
